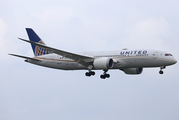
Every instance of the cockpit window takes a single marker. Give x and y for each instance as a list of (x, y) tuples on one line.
[(167, 54)]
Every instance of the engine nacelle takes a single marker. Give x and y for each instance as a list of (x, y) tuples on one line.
[(103, 63), (133, 70)]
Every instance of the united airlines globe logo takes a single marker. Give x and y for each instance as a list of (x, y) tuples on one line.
[(41, 51)]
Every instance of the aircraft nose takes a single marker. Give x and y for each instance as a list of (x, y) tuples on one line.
[(174, 61)]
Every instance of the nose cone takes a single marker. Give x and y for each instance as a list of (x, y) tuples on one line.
[(174, 61)]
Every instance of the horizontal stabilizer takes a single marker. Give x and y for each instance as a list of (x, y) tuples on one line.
[(25, 57)]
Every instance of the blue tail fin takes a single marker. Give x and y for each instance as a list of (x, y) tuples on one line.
[(35, 38)]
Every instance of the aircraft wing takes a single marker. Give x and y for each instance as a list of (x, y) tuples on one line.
[(81, 59), (25, 57)]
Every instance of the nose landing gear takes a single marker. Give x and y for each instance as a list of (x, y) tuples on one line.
[(162, 67)]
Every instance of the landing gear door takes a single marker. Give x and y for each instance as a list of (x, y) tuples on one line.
[(155, 55)]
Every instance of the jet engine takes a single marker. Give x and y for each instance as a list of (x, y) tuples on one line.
[(103, 63), (133, 70)]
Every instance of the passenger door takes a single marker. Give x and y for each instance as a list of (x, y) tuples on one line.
[(155, 55)]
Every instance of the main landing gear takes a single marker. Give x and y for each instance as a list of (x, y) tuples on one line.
[(162, 67), (89, 73), (104, 75)]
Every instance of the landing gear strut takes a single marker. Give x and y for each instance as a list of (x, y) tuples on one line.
[(162, 67), (89, 73), (104, 75)]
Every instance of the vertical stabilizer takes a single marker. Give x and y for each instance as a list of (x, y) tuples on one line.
[(35, 38)]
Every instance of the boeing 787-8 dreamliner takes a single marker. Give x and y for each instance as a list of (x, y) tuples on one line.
[(129, 61)]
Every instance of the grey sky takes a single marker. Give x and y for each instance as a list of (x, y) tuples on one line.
[(32, 92)]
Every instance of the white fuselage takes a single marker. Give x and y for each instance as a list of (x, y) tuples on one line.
[(122, 59)]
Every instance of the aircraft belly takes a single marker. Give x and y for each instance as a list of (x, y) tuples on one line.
[(65, 65), (140, 62), (147, 62), (56, 65), (134, 62)]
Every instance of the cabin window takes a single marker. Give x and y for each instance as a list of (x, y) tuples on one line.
[(167, 54)]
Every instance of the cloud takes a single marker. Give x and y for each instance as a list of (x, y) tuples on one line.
[(3, 29), (54, 15), (147, 34)]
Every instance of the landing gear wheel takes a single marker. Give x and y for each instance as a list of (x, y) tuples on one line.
[(88, 74), (92, 73), (107, 75), (102, 77), (162, 67), (161, 72)]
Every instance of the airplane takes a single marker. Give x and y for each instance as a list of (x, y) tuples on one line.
[(129, 61)]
